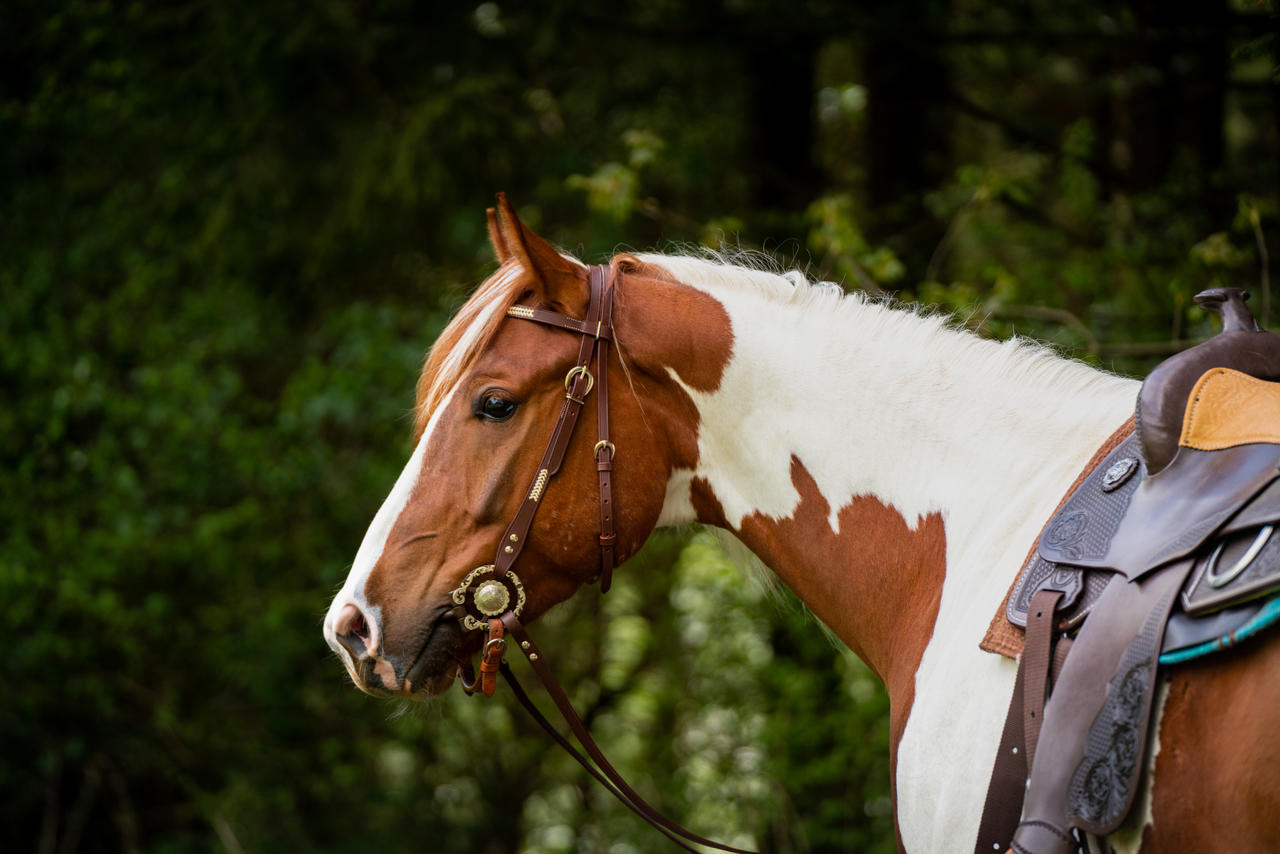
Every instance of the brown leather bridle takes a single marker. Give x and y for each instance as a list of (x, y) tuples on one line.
[(492, 597)]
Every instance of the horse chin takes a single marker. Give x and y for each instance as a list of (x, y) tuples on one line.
[(431, 686), (433, 671)]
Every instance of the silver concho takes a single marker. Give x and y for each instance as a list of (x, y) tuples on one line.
[(489, 596), (1120, 471)]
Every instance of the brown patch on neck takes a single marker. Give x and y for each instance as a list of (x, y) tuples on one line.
[(877, 584), (698, 351)]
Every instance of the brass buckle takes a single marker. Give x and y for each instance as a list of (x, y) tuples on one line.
[(496, 647), (494, 643), (575, 372)]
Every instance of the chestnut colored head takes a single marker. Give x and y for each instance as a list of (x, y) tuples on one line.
[(488, 398)]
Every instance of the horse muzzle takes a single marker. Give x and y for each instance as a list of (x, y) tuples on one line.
[(427, 670)]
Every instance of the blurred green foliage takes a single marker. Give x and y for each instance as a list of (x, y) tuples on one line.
[(229, 232)]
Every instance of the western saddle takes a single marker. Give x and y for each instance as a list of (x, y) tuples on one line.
[(1161, 553)]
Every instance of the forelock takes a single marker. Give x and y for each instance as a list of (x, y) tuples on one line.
[(463, 340)]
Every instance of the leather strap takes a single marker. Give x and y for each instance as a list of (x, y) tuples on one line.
[(604, 449), (518, 690), (1003, 807), (1037, 655), (603, 770), (494, 647), (1041, 660), (596, 335), (490, 662), (551, 318)]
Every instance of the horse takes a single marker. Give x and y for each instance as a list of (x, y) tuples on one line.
[(887, 465)]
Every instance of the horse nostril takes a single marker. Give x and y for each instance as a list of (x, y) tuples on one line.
[(352, 629)]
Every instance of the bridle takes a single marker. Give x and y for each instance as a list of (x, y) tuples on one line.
[(492, 597)]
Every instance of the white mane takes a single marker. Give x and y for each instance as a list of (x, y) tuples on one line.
[(908, 325)]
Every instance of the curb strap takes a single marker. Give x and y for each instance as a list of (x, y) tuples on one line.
[(490, 662), (602, 770)]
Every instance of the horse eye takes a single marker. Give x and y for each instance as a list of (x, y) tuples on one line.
[(495, 407)]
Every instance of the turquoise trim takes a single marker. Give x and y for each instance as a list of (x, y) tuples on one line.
[(1269, 614)]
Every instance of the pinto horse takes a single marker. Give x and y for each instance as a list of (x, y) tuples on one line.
[(891, 469)]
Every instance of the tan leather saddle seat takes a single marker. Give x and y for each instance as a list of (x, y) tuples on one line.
[(1242, 346)]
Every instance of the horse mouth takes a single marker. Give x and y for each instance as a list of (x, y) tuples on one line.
[(433, 669), (440, 657)]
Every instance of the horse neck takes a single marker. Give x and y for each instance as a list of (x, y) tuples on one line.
[(869, 456)]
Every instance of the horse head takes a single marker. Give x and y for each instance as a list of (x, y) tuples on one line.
[(488, 397)]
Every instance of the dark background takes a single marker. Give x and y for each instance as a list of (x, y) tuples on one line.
[(229, 230)]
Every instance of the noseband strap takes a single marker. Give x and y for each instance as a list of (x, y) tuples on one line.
[(597, 333)]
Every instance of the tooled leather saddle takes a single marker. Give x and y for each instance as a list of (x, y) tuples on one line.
[(1163, 552)]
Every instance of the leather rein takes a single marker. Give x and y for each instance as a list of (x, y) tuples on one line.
[(491, 597)]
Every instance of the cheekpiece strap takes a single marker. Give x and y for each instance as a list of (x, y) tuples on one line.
[(596, 332)]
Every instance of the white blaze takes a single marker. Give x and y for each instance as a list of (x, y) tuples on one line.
[(375, 540)]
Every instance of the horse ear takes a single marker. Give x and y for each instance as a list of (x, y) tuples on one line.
[(557, 279), (495, 236)]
